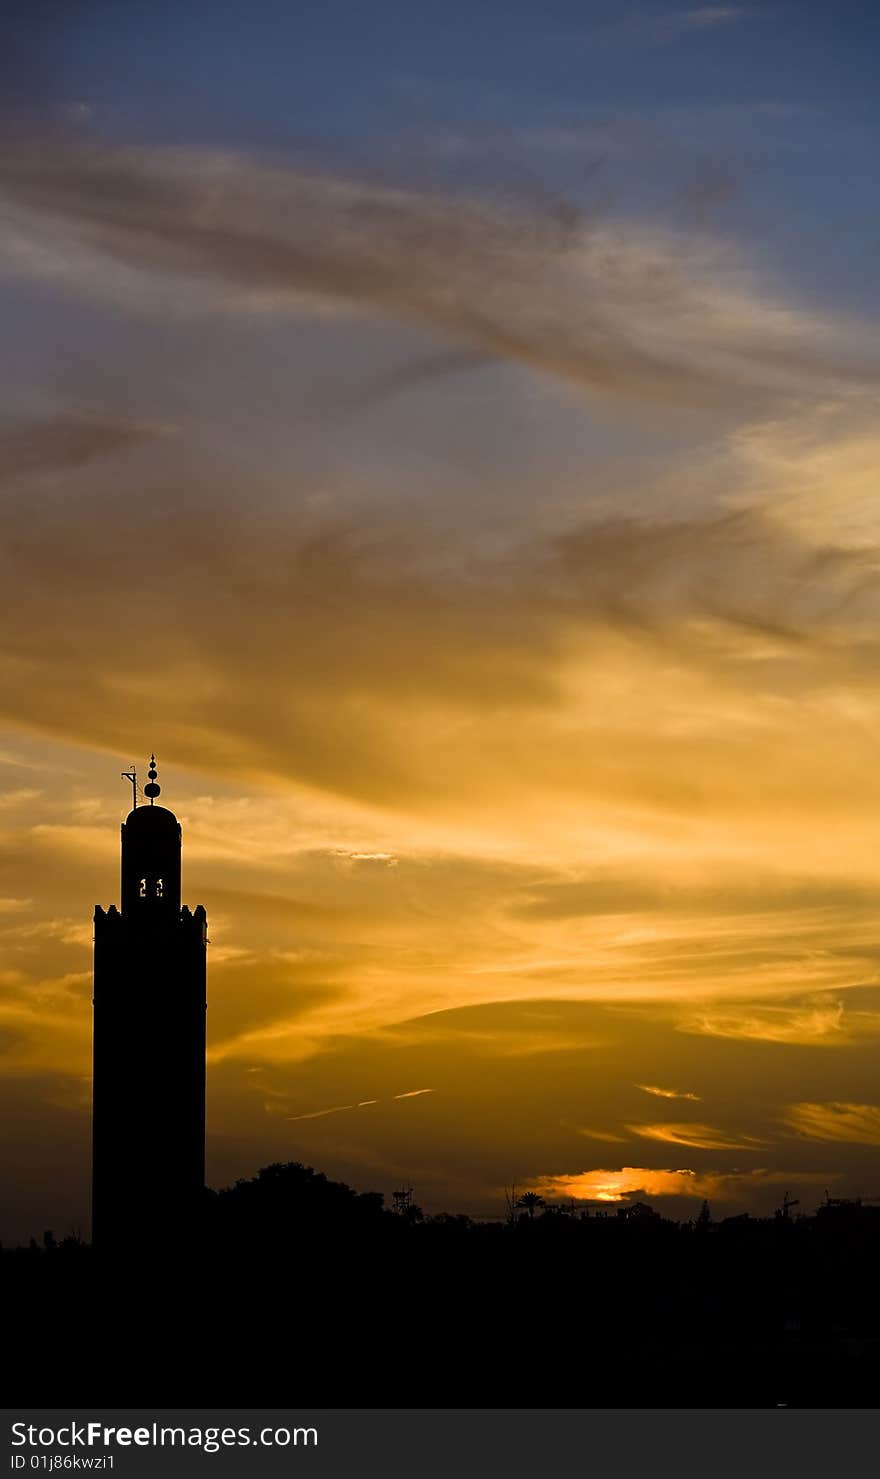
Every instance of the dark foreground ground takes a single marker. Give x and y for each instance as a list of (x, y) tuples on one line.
[(293, 1290)]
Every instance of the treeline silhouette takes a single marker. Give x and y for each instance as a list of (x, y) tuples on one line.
[(289, 1288)]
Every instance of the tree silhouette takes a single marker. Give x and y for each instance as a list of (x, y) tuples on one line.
[(372, 1302), (530, 1202)]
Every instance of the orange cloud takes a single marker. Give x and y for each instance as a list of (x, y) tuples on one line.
[(666, 1093), (616, 1186), (700, 1137), (856, 1124), (629, 1181), (600, 1134), (820, 1024), (317, 1114)]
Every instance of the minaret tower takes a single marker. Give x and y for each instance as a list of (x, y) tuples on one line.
[(148, 1087)]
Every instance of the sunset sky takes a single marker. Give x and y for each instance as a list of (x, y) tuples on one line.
[(447, 435)]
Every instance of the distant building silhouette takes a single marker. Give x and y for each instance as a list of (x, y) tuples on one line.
[(148, 1090)]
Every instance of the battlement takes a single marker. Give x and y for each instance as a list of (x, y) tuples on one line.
[(111, 918)]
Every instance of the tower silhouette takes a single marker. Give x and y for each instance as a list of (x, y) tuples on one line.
[(148, 1083)]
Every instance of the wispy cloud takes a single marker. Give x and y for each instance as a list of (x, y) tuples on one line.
[(822, 1023), (21, 796), (66, 441), (698, 1137), (616, 306), (317, 1114), (608, 1135), (668, 27), (666, 1093), (855, 1124)]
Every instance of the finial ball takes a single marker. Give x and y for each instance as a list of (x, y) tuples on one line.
[(152, 790)]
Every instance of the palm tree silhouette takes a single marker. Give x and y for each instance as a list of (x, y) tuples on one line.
[(530, 1202)]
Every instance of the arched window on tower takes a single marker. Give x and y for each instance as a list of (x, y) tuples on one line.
[(143, 888), (160, 888)]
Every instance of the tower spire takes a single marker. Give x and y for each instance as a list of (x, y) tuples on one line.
[(152, 789)]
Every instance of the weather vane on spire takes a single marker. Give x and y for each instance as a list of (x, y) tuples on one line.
[(152, 789)]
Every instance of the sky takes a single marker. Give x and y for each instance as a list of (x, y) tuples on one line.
[(447, 436)]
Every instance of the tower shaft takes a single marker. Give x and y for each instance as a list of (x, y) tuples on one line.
[(148, 1116)]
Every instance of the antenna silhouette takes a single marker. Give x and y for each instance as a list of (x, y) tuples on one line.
[(131, 775)]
